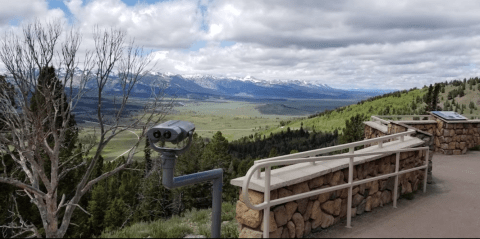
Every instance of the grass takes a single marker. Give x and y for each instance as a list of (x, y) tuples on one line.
[(234, 119), (197, 222)]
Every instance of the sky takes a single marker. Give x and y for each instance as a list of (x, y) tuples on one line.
[(370, 44)]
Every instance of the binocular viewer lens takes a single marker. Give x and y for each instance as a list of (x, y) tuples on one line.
[(157, 134)]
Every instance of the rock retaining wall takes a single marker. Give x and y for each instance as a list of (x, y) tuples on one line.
[(299, 218), (449, 137), (456, 138), (427, 137)]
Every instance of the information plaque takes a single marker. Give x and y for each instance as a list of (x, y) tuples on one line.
[(449, 115)]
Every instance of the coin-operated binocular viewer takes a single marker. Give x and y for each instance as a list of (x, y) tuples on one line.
[(175, 131)]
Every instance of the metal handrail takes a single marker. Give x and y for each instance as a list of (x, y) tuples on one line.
[(267, 204), (349, 146), (336, 148)]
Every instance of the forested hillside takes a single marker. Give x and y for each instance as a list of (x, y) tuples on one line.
[(462, 96)]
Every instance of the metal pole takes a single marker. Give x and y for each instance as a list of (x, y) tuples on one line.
[(266, 211), (215, 175), (217, 206), (427, 157), (395, 190), (349, 204)]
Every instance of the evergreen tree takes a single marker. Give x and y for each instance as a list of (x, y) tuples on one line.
[(97, 207), (354, 129), (216, 154)]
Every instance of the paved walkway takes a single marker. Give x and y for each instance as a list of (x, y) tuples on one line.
[(449, 208)]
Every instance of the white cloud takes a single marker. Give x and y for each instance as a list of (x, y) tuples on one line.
[(170, 24), (348, 44)]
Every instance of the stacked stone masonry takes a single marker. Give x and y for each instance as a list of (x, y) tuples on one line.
[(449, 137), (298, 218)]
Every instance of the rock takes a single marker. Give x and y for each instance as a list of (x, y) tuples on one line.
[(324, 196), (316, 182), (355, 190), (382, 185), (328, 220), (250, 233), (302, 205), (281, 217), (254, 196), (408, 188), (343, 208), (357, 199), (343, 193), (336, 178), (377, 200), (386, 197), (316, 211), (368, 205), (383, 166), (291, 229), (373, 187), (360, 172), (277, 233), (247, 216), (273, 224), (299, 224), (415, 185), (283, 192), (291, 207), (354, 212), (361, 188), (285, 233), (361, 207), (308, 211), (308, 227), (273, 194), (328, 207), (301, 188), (317, 221), (333, 195), (390, 183)]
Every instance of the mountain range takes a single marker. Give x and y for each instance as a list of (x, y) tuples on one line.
[(206, 86)]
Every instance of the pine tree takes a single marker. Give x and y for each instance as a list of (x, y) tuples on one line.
[(97, 207), (354, 129)]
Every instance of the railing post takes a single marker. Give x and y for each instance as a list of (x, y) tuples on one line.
[(395, 190), (402, 138), (266, 211), (380, 144), (350, 181), (258, 174), (427, 157)]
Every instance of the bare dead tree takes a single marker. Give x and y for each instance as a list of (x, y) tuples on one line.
[(34, 140)]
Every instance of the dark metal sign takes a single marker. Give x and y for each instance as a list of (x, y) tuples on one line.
[(449, 115)]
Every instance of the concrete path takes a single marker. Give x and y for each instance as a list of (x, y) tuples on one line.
[(449, 208)]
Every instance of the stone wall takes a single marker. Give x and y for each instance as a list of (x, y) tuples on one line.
[(449, 137), (397, 127), (301, 217), (456, 138)]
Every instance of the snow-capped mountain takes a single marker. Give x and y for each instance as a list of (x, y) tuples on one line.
[(248, 87)]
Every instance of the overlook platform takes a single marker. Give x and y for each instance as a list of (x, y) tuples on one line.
[(449, 208)]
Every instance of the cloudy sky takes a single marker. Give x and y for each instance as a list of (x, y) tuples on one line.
[(345, 44)]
